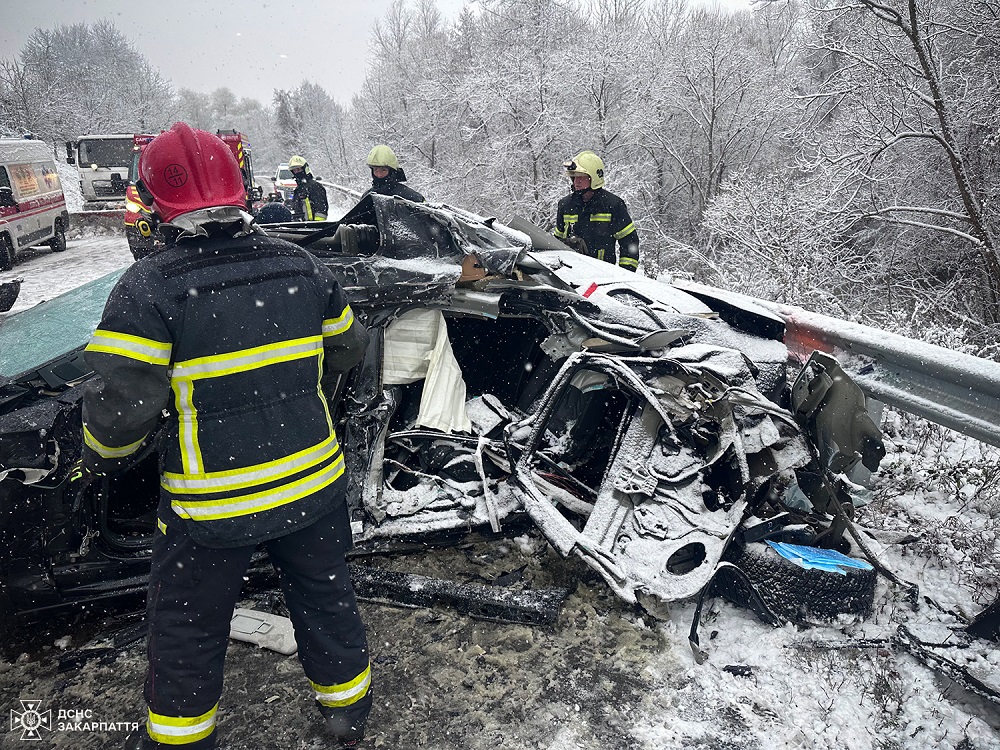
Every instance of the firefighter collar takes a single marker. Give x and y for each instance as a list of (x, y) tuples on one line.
[(195, 223)]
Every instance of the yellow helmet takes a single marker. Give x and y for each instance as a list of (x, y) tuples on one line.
[(297, 162), (383, 156), (589, 164)]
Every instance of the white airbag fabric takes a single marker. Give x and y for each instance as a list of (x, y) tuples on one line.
[(417, 346)]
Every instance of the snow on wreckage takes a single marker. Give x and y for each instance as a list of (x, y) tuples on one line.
[(647, 431)]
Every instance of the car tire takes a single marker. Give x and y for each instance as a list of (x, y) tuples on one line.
[(7, 254), (792, 593), (58, 241)]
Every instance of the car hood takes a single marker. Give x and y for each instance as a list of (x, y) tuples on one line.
[(51, 329)]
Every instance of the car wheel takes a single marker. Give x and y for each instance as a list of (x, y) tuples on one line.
[(58, 242), (792, 593), (7, 254)]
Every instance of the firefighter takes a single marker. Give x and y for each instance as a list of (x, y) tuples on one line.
[(309, 201), (591, 220), (387, 176), (207, 331)]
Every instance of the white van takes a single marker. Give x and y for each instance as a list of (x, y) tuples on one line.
[(284, 183), (32, 204)]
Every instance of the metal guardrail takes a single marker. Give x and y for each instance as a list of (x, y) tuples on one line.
[(953, 389), (356, 194)]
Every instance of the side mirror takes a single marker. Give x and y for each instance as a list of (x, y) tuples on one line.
[(70, 148), (7, 198), (256, 193)]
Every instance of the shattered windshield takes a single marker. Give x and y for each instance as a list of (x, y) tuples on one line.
[(53, 328)]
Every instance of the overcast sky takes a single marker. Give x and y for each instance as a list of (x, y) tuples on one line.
[(251, 47)]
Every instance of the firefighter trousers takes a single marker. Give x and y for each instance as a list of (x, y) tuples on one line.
[(192, 593)]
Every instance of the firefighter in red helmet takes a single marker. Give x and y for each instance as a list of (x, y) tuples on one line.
[(207, 332)]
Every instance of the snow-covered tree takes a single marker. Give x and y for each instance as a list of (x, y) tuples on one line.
[(80, 79)]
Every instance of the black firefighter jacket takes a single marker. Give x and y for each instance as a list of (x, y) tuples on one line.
[(309, 201), (389, 186), (600, 222), (232, 339)]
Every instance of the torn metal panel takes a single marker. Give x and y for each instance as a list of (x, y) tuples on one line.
[(679, 481), (834, 411)]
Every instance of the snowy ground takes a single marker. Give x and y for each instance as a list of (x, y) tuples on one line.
[(606, 675)]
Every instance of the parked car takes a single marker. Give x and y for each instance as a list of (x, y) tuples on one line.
[(284, 183), (648, 431), (32, 204)]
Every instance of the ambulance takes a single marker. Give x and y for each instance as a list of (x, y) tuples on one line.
[(32, 204)]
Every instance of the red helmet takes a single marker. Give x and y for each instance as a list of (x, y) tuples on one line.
[(184, 169)]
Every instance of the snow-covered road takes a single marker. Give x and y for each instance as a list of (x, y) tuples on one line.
[(46, 274)]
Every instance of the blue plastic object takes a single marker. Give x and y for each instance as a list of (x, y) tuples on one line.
[(817, 559)]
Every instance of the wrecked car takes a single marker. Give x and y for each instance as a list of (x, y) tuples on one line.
[(651, 431)]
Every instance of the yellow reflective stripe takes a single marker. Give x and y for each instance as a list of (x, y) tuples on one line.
[(600, 254), (239, 479), (322, 396), (161, 526), (334, 326), (243, 360), (600, 217), (307, 209), (561, 233), (211, 510), (106, 451), (187, 426), (571, 218), (133, 347), (180, 730), (345, 694), (628, 262), (625, 232)]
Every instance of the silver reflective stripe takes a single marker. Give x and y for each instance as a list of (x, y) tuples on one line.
[(105, 451), (187, 427), (209, 510), (180, 730), (333, 326), (248, 359), (236, 479), (345, 694)]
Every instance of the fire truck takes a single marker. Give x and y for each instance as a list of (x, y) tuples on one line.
[(140, 224)]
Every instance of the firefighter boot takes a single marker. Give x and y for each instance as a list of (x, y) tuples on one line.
[(344, 733)]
